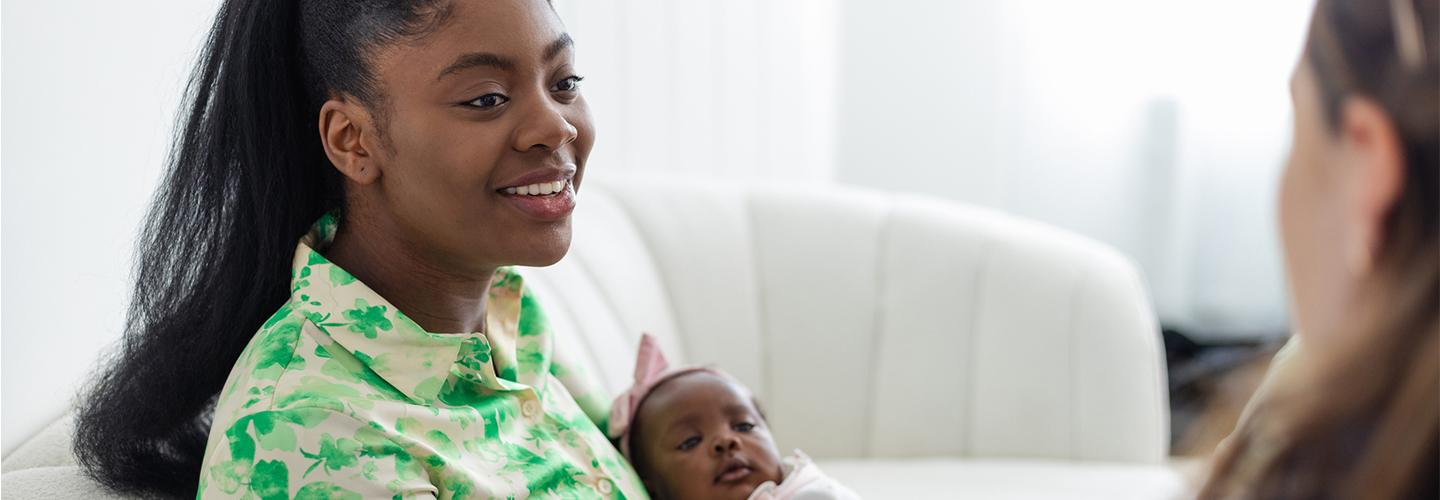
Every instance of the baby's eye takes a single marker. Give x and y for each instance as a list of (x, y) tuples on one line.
[(689, 443), (744, 427)]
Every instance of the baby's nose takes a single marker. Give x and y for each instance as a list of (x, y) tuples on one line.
[(726, 443)]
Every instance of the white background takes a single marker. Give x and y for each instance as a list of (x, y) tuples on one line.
[(1154, 125), (89, 92), (1157, 126)]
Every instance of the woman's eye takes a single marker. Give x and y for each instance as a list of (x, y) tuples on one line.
[(488, 101), (689, 443), (569, 84), (744, 427)]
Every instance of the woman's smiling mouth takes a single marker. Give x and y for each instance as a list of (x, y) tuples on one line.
[(547, 195), (538, 189), (544, 201)]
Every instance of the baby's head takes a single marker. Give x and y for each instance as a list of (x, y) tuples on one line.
[(700, 435), (693, 433)]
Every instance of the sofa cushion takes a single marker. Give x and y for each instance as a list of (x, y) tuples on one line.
[(64, 481), (1007, 479)]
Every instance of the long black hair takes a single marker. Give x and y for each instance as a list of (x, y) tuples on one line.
[(245, 179)]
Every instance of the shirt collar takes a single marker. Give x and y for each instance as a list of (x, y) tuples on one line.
[(410, 359)]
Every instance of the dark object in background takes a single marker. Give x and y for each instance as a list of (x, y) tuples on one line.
[(1209, 384)]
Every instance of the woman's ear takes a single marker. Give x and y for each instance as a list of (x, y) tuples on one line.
[(348, 139), (1374, 176)]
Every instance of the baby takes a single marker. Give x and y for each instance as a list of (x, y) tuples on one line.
[(696, 433)]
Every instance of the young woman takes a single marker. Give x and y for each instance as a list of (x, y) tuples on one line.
[(352, 179), (1355, 410)]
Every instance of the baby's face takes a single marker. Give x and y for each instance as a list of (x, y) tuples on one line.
[(701, 437)]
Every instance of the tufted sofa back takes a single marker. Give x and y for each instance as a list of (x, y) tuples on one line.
[(870, 325)]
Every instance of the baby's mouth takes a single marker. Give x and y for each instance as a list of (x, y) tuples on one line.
[(734, 471)]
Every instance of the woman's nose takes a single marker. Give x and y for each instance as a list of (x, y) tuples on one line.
[(544, 127)]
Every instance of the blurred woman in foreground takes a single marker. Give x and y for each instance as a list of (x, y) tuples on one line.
[(1355, 412)]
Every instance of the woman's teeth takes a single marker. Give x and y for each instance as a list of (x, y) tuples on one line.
[(542, 189)]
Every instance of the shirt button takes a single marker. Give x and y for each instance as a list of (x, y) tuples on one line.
[(605, 486), (530, 409)]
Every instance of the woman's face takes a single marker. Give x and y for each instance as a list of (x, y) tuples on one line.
[(1337, 191), (1310, 213), (479, 120)]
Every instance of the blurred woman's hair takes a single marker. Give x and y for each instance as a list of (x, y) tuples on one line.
[(1360, 418)]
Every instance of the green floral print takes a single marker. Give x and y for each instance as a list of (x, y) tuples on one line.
[(340, 396)]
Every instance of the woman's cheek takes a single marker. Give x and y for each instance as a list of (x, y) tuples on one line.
[(1291, 240)]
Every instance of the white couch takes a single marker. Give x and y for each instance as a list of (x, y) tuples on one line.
[(915, 348)]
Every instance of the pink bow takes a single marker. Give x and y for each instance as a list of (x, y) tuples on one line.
[(651, 369)]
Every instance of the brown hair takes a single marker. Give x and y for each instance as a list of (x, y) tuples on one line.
[(1361, 419)]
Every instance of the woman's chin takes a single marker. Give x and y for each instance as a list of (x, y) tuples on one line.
[(542, 261), (546, 250)]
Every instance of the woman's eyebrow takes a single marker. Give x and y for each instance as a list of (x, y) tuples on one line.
[(477, 59), (560, 44)]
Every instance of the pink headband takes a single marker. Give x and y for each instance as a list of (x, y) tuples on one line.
[(651, 370)]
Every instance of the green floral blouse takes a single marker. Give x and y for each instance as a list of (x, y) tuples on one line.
[(339, 395)]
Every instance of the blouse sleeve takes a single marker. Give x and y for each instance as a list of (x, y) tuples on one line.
[(309, 453)]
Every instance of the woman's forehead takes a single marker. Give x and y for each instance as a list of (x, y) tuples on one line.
[(519, 33)]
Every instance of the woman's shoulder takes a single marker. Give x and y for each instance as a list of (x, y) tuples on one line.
[(277, 369), (292, 362)]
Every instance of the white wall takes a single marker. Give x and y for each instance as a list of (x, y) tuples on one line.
[(89, 90), (1157, 126), (723, 88)]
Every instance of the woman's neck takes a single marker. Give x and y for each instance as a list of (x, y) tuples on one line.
[(440, 300)]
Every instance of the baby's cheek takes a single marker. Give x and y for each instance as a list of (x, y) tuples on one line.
[(689, 481), (767, 443), (696, 463)]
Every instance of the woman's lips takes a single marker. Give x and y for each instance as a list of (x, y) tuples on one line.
[(549, 207)]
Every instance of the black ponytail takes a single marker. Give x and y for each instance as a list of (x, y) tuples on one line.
[(245, 179)]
